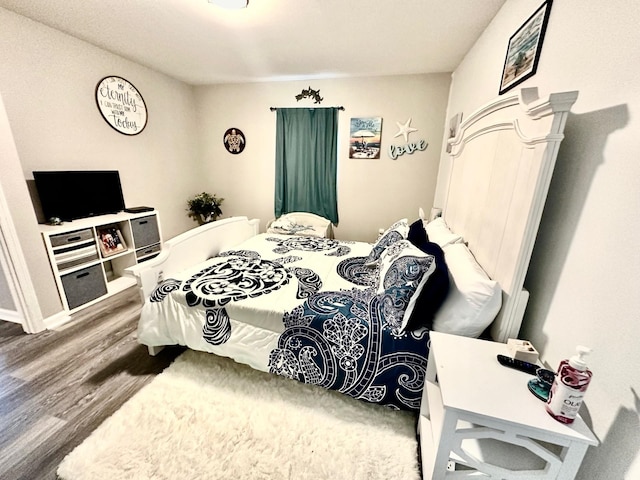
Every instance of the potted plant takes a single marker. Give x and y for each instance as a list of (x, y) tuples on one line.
[(204, 208)]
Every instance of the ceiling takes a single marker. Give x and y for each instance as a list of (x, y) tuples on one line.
[(199, 43)]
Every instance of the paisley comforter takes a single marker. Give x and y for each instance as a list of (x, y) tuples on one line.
[(303, 307)]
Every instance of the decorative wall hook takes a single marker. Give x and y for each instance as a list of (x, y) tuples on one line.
[(310, 93)]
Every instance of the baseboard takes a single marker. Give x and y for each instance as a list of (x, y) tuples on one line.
[(57, 320), (10, 316)]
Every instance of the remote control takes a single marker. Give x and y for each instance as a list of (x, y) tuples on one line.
[(525, 367)]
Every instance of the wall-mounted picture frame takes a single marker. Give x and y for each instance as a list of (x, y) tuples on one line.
[(121, 105), (523, 51), (234, 140), (111, 241), (365, 138)]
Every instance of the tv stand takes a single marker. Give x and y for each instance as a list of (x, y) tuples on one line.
[(85, 268)]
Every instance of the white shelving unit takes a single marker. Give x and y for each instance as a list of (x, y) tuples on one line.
[(478, 417), (84, 272)]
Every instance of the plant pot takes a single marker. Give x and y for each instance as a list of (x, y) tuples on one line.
[(208, 219)]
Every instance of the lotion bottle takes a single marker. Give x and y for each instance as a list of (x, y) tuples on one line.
[(569, 387)]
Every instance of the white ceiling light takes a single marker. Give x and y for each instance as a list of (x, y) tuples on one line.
[(235, 4)]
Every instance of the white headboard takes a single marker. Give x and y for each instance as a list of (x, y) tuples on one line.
[(502, 159)]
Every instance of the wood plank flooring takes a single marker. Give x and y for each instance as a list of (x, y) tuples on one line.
[(56, 387)]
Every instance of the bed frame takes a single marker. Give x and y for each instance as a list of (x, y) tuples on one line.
[(502, 159), (190, 248), (500, 168)]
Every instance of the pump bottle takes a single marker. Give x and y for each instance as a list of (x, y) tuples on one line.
[(569, 387)]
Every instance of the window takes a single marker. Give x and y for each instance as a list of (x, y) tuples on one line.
[(306, 161)]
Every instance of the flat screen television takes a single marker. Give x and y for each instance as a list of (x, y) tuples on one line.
[(70, 195)]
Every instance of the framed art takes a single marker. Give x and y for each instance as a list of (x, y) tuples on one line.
[(234, 140), (111, 241), (523, 51), (365, 137), (121, 105)]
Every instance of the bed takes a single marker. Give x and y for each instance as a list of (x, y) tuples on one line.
[(353, 316)]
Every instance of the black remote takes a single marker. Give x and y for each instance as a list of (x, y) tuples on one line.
[(525, 367)]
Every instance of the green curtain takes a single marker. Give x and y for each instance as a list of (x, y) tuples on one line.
[(306, 161)]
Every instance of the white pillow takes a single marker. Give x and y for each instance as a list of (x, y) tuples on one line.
[(474, 299), (305, 224), (438, 232)]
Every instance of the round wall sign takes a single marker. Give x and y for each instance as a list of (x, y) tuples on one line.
[(234, 140), (121, 105)]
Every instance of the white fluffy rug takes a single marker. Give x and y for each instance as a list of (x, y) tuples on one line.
[(207, 417)]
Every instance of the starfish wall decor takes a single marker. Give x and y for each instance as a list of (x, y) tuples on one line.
[(405, 130)]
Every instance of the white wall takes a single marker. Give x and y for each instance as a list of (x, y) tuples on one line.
[(586, 266), (371, 193), (48, 81), (23, 224)]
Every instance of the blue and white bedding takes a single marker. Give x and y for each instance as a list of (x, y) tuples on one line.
[(304, 307)]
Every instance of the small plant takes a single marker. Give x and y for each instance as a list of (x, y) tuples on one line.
[(204, 207)]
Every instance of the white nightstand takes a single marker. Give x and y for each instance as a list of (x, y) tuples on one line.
[(477, 415)]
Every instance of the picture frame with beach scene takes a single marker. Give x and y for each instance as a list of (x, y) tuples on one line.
[(523, 51), (365, 134)]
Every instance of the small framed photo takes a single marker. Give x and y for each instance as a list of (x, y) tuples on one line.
[(365, 136), (524, 49), (111, 241)]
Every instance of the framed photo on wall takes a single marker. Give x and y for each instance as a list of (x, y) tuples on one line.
[(523, 51), (111, 241), (365, 136)]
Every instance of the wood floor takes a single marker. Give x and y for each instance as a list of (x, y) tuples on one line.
[(56, 387)]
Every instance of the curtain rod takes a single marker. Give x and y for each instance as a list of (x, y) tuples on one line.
[(273, 109)]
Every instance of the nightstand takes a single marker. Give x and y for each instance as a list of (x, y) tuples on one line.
[(478, 416)]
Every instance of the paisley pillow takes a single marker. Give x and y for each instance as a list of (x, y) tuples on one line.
[(435, 290), (404, 269), (397, 231)]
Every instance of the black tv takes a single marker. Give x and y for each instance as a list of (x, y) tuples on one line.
[(69, 195)]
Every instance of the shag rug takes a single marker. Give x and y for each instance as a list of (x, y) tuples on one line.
[(207, 417)]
